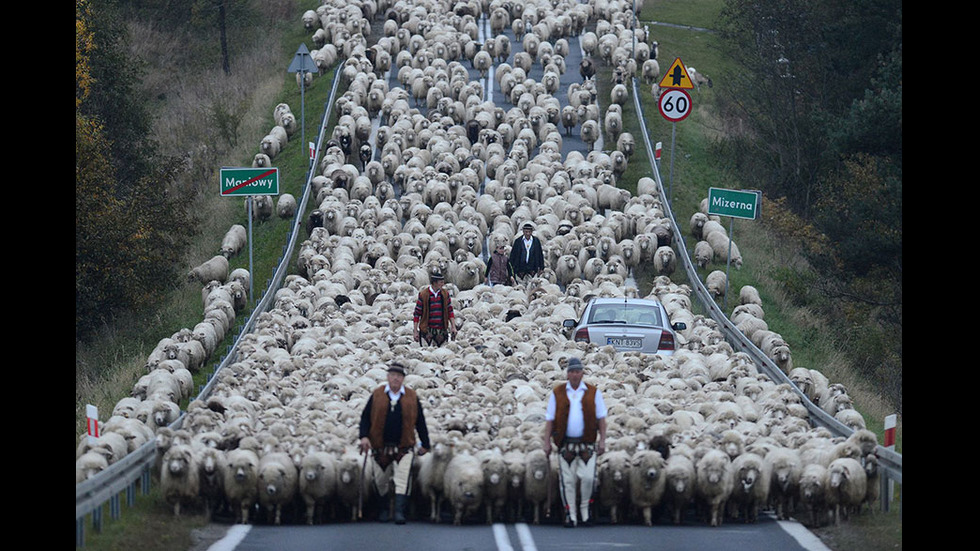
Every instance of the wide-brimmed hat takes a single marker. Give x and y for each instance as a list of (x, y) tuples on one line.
[(436, 277), (527, 227), (574, 364), (397, 368)]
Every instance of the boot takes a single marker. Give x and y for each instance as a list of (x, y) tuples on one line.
[(401, 503), (384, 509)]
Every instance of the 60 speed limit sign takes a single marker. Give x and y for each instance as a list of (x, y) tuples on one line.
[(675, 104)]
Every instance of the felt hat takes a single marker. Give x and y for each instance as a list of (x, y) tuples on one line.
[(397, 368), (436, 276), (574, 364), (527, 227)]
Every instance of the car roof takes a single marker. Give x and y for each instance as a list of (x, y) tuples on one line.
[(620, 300)]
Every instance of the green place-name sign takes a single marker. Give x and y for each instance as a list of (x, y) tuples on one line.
[(734, 203), (249, 181)]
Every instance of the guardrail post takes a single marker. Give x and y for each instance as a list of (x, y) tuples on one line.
[(80, 532)]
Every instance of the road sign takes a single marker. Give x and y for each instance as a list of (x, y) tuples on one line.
[(677, 77), (302, 61), (249, 181), (675, 104), (734, 203)]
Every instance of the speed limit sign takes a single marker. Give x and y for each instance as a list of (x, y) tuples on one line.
[(675, 104)]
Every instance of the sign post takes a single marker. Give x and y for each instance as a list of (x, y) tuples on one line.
[(734, 204), (675, 105), (248, 182), (302, 63)]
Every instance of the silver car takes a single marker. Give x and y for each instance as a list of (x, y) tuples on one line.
[(627, 324)]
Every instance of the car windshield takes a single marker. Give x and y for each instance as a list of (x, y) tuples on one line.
[(631, 314)]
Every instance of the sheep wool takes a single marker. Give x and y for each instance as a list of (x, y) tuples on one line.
[(464, 485)]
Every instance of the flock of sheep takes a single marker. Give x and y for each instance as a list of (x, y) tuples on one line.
[(698, 432)]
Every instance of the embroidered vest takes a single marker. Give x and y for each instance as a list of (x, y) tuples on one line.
[(563, 404), (379, 412)]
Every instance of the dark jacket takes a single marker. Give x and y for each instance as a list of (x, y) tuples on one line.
[(508, 269), (534, 263)]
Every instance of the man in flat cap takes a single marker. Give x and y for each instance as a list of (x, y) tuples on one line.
[(575, 421), (434, 319), (527, 254), (391, 418)]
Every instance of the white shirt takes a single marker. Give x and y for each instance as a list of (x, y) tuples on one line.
[(527, 249), (576, 420), (394, 396)]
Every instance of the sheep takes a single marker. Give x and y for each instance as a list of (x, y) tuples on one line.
[(724, 248), (751, 488), (717, 283), (614, 483), (215, 268), (703, 254), (812, 493), (749, 295), (464, 485), (89, 464), (846, 487), (698, 79), (537, 477), (241, 482), (261, 207), (233, 241), (647, 482), (211, 477), (277, 481), (664, 261), (785, 467), (353, 482), (494, 483), (873, 484), (681, 479), (180, 477), (317, 481), (286, 206), (431, 476), (714, 484)]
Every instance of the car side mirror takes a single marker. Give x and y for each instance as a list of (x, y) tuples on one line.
[(569, 323), (679, 326)]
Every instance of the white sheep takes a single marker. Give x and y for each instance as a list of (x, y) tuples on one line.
[(717, 283), (537, 477), (681, 481), (720, 245), (278, 481), (494, 483), (211, 464), (180, 477), (785, 467), (664, 261), (215, 268), (614, 483), (846, 487), (812, 493), (703, 254), (241, 482), (714, 484), (286, 206), (89, 464), (317, 481), (234, 241), (749, 295), (647, 482), (431, 476), (464, 485)]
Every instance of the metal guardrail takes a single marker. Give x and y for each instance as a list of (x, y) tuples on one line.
[(135, 469), (890, 462)]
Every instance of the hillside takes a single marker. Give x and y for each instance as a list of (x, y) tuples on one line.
[(256, 83)]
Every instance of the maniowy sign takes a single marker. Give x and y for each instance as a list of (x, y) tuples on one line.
[(249, 181)]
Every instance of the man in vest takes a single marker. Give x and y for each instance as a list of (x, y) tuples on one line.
[(391, 417), (433, 318), (527, 254), (576, 421)]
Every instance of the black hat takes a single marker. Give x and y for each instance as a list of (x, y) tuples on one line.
[(397, 368), (436, 276), (574, 364), (528, 227)]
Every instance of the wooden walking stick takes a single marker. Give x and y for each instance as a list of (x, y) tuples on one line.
[(360, 489)]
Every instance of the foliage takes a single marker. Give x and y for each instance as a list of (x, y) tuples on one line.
[(129, 223)]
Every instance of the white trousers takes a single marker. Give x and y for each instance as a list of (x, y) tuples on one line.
[(400, 472), (577, 483)]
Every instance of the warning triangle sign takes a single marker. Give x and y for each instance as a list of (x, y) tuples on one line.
[(677, 77)]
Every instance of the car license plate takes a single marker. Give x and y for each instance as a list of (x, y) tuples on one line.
[(625, 342)]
